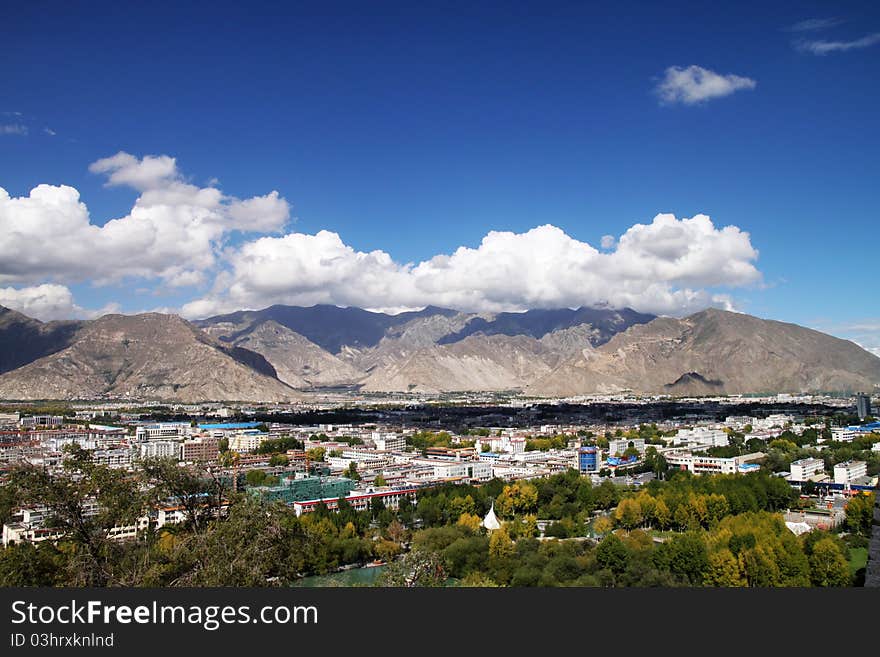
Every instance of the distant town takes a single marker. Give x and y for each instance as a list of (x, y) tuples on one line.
[(826, 451)]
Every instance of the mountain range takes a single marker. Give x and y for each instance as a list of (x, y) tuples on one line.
[(282, 352)]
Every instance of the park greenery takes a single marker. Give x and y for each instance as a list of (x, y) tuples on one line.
[(721, 530), (422, 440)]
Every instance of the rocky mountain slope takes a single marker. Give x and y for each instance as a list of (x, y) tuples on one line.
[(24, 340), (432, 349), (265, 355), (478, 362), (298, 362), (715, 352), (150, 356)]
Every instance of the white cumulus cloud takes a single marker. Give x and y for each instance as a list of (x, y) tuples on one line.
[(47, 302), (663, 267), (608, 241), (695, 84), (125, 169), (174, 232)]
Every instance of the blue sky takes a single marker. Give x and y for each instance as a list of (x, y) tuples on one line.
[(415, 130)]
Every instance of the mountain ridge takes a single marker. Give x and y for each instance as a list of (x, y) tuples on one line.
[(255, 356)]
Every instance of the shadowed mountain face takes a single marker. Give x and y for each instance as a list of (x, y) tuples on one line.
[(329, 327), (256, 356), (433, 349), (297, 361), (23, 340), (149, 356), (538, 323)]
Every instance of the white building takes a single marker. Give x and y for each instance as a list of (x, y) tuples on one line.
[(701, 464), (738, 421), (773, 421), (700, 436), (113, 458), (57, 443), (163, 430), (620, 445), (471, 470), (42, 421), (843, 434), (160, 449), (9, 418), (803, 469), (844, 473), (246, 441), (390, 442)]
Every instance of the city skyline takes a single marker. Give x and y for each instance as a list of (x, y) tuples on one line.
[(489, 158)]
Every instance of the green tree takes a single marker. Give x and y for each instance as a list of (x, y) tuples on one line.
[(828, 565), (689, 556), (612, 554), (759, 566), (196, 490), (717, 508), (352, 471), (859, 514), (315, 454), (27, 564), (255, 477), (85, 502), (416, 569), (257, 544)]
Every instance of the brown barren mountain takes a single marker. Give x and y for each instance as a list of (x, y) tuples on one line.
[(149, 356), (298, 362), (23, 339), (715, 352), (556, 354)]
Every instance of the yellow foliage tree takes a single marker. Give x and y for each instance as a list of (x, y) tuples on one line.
[(602, 525), (724, 570), (470, 522), (500, 545)]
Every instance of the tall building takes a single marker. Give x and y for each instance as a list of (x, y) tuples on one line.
[(803, 469), (844, 473), (588, 460), (863, 405)]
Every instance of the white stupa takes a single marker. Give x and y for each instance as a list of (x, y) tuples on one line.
[(490, 522)]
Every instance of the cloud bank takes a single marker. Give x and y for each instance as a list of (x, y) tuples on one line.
[(662, 267), (695, 84), (174, 233), (224, 253)]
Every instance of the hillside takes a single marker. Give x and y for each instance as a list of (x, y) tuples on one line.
[(150, 356)]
